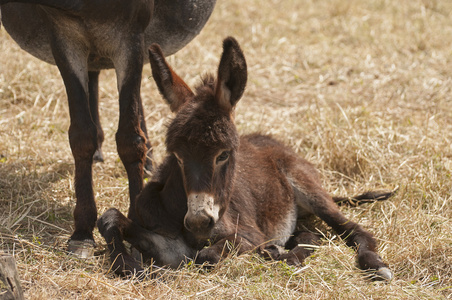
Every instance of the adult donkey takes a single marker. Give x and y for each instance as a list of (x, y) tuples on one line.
[(216, 187), (83, 37)]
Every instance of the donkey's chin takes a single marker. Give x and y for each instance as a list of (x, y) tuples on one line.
[(200, 234)]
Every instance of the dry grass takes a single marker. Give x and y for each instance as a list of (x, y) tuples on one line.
[(361, 88)]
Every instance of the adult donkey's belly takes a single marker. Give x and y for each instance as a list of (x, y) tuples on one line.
[(177, 22), (173, 25), (26, 26)]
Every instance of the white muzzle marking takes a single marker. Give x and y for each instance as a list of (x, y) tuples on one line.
[(202, 204)]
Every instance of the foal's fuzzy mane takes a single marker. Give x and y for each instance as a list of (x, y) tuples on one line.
[(207, 124), (207, 84)]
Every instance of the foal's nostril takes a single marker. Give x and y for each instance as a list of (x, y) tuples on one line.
[(207, 223), (199, 224), (211, 223), (187, 225)]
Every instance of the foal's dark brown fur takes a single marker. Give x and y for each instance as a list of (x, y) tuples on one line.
[(216, 187)]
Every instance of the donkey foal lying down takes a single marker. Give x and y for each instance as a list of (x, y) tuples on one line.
[(216, 188)]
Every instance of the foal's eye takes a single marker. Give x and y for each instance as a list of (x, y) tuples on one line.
[(223, 156)]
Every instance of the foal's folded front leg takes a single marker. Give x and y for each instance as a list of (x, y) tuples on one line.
[(112, 225)]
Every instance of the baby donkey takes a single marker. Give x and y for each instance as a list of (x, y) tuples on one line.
[(216, 189)]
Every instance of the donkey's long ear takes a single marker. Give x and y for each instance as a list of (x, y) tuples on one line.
[(173, 89), (232, 75)]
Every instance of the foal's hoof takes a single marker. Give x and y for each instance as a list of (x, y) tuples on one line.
[(81, 249), (272, 252), (383, 274), (126, 266), (207, 257)]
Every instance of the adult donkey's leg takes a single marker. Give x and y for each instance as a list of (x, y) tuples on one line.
[(93, 84), (71, 59), (148, 166), (130, 139)]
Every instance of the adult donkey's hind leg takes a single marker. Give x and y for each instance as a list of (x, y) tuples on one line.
[(93, 86), (148, 165)]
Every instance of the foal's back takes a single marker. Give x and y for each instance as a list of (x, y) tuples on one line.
[(264, 191)]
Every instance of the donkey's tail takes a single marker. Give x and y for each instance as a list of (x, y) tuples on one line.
[(367, 197)]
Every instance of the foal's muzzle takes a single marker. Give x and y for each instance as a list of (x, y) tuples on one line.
[(202, 214)]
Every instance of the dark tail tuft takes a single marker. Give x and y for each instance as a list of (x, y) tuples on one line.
[(367, 197)]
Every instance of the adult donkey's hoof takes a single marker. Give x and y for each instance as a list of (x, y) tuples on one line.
[(148, 164), (81, 249), (98, 156), (383, 274)]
